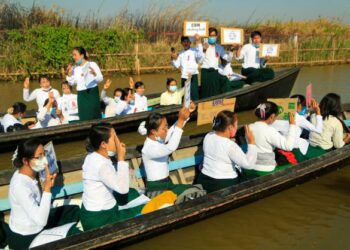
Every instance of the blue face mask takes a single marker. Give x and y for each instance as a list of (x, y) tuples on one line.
[(212, 40), (173, 89), (132, 102), (117, 98), (160, 140), (303, 111), (79, 62), (256, 45), (53, 111)]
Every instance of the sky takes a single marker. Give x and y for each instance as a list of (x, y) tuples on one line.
[(239, 11)]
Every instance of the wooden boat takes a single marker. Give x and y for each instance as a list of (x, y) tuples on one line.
[(247, 98), (182, 169)]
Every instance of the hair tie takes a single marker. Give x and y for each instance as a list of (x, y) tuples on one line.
[(14, 156), (262, 111)]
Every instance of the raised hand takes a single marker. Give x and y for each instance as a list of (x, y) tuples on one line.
[(26, 83), (107, 84), (291, 118), (192, 107), (131, 83), (315, 106), (50, 180), (70, 69), (121, 151)]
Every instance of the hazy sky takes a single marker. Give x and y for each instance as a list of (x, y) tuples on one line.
[(220, 10)]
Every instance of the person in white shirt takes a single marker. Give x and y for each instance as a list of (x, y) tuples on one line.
[(302, 149), (332, 136), (229, 80), (86, 75), (14, 116), (41, 94), (188, 60), (223, 158), (114, 105), (128, 97), (210, 85), (101, 179), (173, 95), (68, 103), (267, 138), (159, 144), (30, 207), (49, 115), (254, 67), (141, 104)]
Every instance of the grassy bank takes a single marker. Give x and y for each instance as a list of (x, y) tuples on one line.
[(35, 40)]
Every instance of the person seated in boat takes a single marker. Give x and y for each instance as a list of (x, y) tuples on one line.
[(49, 115), (129, 98), (223, 158), (101, 179), (159, 144), (332, 136), (173, 95), (40, 94), (114, 105), (210, 85), (267, 138), (30, 205), (141, 104), (302, 148), (14, 116), (254, 67), (68, 103), (229, 80), (187, 60)]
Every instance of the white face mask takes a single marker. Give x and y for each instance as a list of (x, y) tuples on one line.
[(111, 153), (40, 164)]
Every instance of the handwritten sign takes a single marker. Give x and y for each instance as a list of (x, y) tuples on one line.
[(51, 159), (208, 110), (308, 94), (285, 106), (232, 36), (271, 50), (187, 93), (192, 28)]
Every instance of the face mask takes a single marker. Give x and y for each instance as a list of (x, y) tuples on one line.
[(212, 40), (132, 102), (233, 133), (79, 62), (303, 111), (40, 164), (160, 140), (256, 45), (53, 111), (173, 89), (117, 98), (111, 153)]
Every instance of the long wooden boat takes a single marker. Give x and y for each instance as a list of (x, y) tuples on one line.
[(182, 167), (247, 98)]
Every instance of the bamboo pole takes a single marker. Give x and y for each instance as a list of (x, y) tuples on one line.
[(296, 48), (137, 60)]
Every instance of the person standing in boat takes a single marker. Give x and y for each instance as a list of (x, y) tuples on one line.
[(173, 95), (223, 158), (302, 148), (332, 136), (68, 103), (86, 75), (30, 207), (101, 180), (254, 67), (41, 94), (14, 116), (210, 64), (160, 143), (268, 138), (188, 61)]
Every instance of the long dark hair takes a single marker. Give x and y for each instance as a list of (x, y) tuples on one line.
[(330, 105), (153, 122), (25, 150), (224, 119), (265, 110), (81, 51), (98, 133)]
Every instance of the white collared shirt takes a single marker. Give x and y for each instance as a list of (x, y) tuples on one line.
[(169, 98), (188, 61), (222, 156), (9, 120), (29, 209), (83, 78), (250, 56), (39, 95), (100, 179), (45, 119), (113, 107), (155, 155), (141, 104)]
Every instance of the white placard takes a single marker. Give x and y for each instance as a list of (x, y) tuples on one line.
[(192, 28), (187, 102), (51, 159), (232, 36), (271, 50)]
